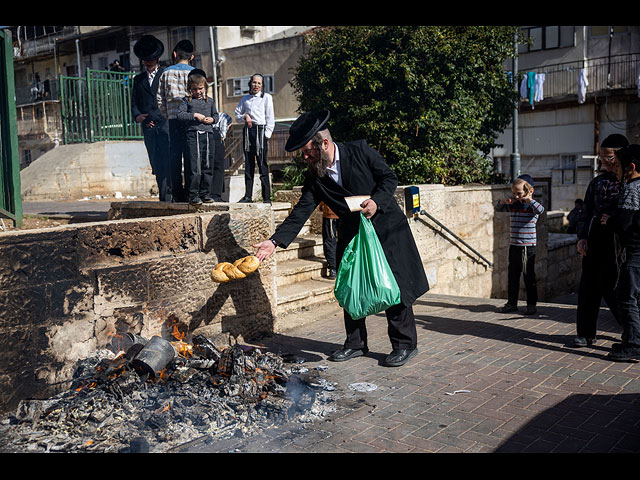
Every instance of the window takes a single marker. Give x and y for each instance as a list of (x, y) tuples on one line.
[(547, 38), (236, 87), (182, 33), (568, 166), (602, 31)]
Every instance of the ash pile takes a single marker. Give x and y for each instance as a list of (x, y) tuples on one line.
[(156, 395)]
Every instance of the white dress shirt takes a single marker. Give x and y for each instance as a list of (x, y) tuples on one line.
[(334, 170), (151, 75), (260, 109)]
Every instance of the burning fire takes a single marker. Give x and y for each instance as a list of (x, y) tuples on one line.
[(183, 348)]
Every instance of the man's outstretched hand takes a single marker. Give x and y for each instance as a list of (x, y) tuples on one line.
[(264, 249)]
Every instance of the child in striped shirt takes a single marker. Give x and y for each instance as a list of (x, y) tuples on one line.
[(524, 213)]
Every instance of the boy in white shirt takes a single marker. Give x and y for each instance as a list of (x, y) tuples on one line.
[(256, 111)]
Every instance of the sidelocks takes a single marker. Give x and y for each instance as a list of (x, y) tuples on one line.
[(226, 271)]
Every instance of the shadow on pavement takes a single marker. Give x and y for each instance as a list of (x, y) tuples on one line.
[(581, 423)]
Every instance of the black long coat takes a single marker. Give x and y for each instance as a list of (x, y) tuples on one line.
[(144, 99), (363, 172)]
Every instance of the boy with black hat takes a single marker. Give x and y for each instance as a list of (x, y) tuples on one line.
[(524, 213), (596, 244), (171, 90), (145, 111), (626, 223)]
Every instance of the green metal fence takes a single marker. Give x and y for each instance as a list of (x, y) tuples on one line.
[(10, 197), (98, 107)]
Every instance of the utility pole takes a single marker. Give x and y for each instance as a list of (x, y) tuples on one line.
[(515, 155), (214, 62)]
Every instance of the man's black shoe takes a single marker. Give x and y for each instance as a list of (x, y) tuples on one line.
[(399, 357), (508, 308), (332, 273), (195, 201), (245, 200), (347, 354), (207, 200), (621, 354), (579, 342)]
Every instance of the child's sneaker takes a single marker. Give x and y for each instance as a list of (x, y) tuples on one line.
[(195, 201)]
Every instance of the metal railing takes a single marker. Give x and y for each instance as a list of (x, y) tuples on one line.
[(10, 199), (97, 107), (605, 73)]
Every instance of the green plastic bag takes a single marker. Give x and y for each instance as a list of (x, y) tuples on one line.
[(365, 284)]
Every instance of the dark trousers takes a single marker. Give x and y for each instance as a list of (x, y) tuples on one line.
[(330, 241), (176, 154), (519, 265), (198, 166), (597, 282), (628, 302), (217, 182), (156, 141), (256, 149), (401, 328)]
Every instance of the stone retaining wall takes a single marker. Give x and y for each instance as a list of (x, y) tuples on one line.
[(468, 211), (66, 291)]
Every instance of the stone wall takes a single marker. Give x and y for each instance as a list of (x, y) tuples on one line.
[(66, 291), (468, 211), (72, 172)]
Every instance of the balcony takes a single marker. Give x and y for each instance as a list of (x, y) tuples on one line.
[(603, 74), (40, 44)]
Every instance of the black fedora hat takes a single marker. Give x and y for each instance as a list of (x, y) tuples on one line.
[(305, 127), (148, 48)]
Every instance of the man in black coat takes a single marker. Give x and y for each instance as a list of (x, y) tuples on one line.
[(144, 105), (339, 170)]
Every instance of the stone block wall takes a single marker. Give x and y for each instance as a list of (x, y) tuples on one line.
[(468, 211), (67, 291)]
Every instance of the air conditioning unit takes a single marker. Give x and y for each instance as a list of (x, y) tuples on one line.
[(249, 29)]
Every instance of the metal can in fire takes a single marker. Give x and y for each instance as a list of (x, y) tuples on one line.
[(154, 357)]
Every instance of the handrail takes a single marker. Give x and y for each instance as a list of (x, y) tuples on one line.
[(433, 219)]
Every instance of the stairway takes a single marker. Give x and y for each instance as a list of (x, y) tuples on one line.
[(299, 269)]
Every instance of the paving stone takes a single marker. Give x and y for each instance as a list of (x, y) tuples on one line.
[(527, 391)]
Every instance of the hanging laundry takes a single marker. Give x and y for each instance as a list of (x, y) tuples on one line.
[(539, 85), (583, 83), (531, 85), (524, 91)]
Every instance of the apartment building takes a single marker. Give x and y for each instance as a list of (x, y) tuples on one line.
[(578, 84), (229, 55)]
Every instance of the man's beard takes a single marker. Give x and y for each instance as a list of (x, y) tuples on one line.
[(319, 168)]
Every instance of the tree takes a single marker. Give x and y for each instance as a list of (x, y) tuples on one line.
[(431, 99)]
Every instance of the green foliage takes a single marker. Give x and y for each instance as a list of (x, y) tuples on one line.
[(293, 173), (431, 99)]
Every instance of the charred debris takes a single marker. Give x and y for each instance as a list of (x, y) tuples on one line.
[(154, 395)]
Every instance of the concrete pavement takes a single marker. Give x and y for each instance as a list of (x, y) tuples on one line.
[(482, 382), (79, 210)]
